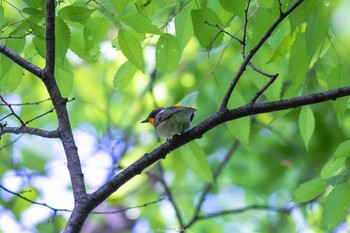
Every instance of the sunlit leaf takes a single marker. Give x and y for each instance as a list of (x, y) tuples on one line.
[(336, 207), (184, 30), (309, 190), (167, 53), (343, 150), (139, 23), (332, 167), (64, 76), (62, 38), (95, 31), (189, 99), (236, 7), (75, 13), (131, 48), (19, 205)]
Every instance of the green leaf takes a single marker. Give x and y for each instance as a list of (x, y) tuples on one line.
[(62, 38), (64, 76), (13, 78), (38, 31), (316, 29), (95, 31), (131, 48), (339, 78), (309, 190), (32, 160), (34, 12), (240, 128), (16, 45), (343, 150), (203, 32), (306, 124), (18, 205), (75, 13), (189, 99), (332, 167), (139, 22), (1, 15), (34, 3), (124, 75), (184, 30), (78, 47), (336, 207), (235, 7), (40, 46), (196, 160), (167, 53), (52, 224)]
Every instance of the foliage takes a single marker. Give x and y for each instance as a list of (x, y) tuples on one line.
[(118, 59)]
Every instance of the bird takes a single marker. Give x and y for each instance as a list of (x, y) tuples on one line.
[(171, 121)]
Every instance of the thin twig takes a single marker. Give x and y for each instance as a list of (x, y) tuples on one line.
[(55, 210), (283, 210), (41, 115), (129, 208), (12, 111), (263, 89), (221, 30), (252, 52)]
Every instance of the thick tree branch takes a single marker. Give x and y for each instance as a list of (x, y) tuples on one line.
[(21, 61), (252, 52), (219, 118), (29, 130)]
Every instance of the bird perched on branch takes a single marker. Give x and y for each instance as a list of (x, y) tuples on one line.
[(170, 121)]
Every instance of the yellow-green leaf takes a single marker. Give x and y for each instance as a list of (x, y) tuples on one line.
[(309, 190), (167, 53), (124, 75), (131, 48)]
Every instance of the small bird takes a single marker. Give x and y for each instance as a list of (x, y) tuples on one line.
[(170, 121)]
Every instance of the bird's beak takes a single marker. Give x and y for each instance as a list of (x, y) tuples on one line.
[(145, 121)]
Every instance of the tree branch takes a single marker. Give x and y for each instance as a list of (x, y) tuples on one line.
[(21, 61), (283, 210), (29, 130), (219, 118), (252, 52)]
